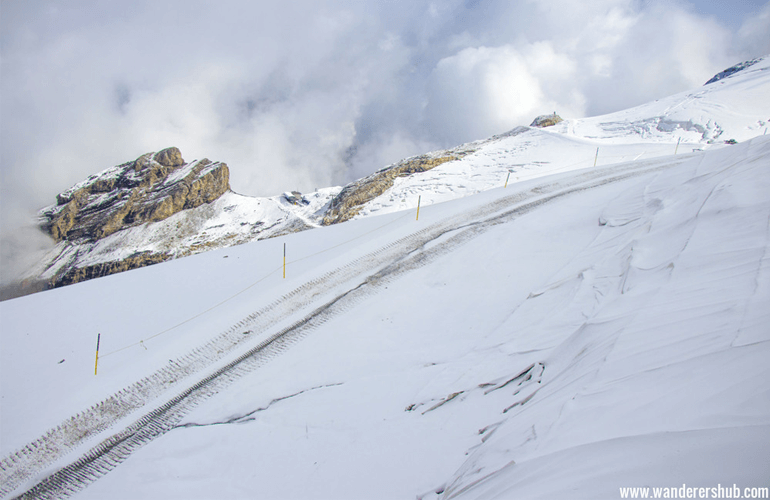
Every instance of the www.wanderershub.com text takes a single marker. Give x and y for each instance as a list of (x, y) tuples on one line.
[(685, 491)]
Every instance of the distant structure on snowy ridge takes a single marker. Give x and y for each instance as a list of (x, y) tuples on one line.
[(733, 69), (546, 120), (295, 198)]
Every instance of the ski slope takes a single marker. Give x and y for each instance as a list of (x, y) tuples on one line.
[(579, 331)]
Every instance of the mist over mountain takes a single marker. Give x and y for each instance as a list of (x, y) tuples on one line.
[(158, 207), (577, 310), (322, 93)]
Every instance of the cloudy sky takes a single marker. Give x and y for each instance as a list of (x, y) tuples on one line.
[(314, 93)]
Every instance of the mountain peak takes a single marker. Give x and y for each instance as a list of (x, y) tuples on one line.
[(151, 188)]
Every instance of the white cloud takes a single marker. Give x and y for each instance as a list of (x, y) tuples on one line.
[(313, 93), (486, 90), (754, 34)]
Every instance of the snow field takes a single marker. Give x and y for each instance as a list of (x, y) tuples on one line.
[(541, 341)]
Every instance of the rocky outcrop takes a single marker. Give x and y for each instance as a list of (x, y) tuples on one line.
[(546, 120), (351, 199), (733, 69), (153, 187), (78, 274)]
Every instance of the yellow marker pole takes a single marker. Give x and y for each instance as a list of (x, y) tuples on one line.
[(96, 363), (418, 208), (597, 156), (506, 179), (284, 261)]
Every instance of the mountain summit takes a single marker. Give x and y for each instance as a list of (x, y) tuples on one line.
[(152, 188)]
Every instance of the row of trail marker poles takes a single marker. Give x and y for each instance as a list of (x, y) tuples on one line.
[(96, 363), (418, 208)]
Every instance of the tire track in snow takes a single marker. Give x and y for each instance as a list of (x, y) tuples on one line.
[(379, 267)]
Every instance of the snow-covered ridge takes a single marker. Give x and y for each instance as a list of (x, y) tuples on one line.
[(155, 209), (575, 333), (731, 109), (734, 69)]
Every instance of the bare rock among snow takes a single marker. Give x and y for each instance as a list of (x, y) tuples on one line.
[(351, 199), (546, 120), (139, 259), (153, 187), (733, 69), (170, 157)]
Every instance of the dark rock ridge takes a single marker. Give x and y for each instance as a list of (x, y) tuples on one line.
[(153, 187), (733, 69)]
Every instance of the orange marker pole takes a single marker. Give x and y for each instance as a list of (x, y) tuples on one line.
[(96, 363), (418, 208)]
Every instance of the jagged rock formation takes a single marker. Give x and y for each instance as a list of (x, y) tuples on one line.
[(349, 202), (153, 187), (546, 120)]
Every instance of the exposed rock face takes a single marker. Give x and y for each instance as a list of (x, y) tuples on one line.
[(78, 274), (153, 187), (546, 120), (733, 69), (350, 200)]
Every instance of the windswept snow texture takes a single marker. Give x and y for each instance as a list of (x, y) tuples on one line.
[(734, 109), (613, 336), (561, 338)]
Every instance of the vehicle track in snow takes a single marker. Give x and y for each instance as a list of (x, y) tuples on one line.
[(167, 395)]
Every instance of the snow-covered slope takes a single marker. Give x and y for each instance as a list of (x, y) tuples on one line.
[(733, 108), (232, 219), (563, 337)]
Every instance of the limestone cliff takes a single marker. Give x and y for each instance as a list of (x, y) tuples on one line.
[(149, 189), (153, 187)]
